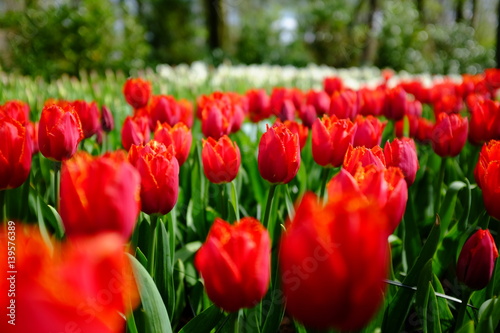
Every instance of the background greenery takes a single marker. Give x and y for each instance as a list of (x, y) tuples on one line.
[(49, 38)]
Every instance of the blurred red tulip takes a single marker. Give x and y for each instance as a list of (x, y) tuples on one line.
[(178, 135), (344, 104), (371, 101), (330, 139), (186, 112), (279, 154), (99, 194), (258, 105), (449, 134), (287, 111), (424, 130), (89, 117), (159, 172), (362, 156), (234, 263), (476, 261), (135, 131), (221, 159), (17, 110), (163, 109), (402, 153), (15, 153), (299, 129), (320, 100), (448, 104), (487, 175), (333, 260), (369, 131), (492, 79), (216, 119), (484, 121), (137, 92), (308, 115), (32, 130), (332, 84), (395, 106), (107, 120), (59, 132), (86, 285)]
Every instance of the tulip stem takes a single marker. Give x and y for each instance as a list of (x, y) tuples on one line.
[(463, 308), (439, 185), (234, 199), (3, 206), (270, 196), (325, 175), (57, 184)]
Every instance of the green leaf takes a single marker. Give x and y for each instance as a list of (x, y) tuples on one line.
[(448, 206), (489, 314), (433, 322), (204, 322), (141, 257), (422, 294), (187, 251), (445, 315), (468, 327), (163, 268), (157, 319)]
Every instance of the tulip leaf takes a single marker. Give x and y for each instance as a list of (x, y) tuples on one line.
[(399, 308), (423, 288), (56, 220), (468, 327), (41, 224), (141, 258), (163, 276), (432, 322), (234, 200), (448, 206), (187, 251), (445, 315), (179, 274), (204, 322), (156, 315), (489, 314)]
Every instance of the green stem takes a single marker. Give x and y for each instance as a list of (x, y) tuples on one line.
[(439, 185), (270, 196), (325, 175), (3, 206), (234, 199), (152, 243), (463, 308), (223, 201), (57, 184)]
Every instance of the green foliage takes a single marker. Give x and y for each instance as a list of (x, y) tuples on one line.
[(66, 38)]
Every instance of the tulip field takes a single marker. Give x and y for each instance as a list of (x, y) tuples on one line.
[(250, 199)]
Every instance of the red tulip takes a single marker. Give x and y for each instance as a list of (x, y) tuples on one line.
[(395, 103), (308, 115), (333, 261), (216, 119), (163, 109), (99, 194), (484, 121), (234, 263), (299, 129), (15, 153), (330, 139), (344, 104), (137, 92), (424, 130), (320, 100), (221, 159), (107, 120), (369, 131), (32, 130), (258, 105), (17, 110), (371, 102), (332, 84), (487, 175), (86, 285), (492, 79), (186, 112), (159, 172), (89, 117), (362, 156), (449, 134), (59, 132), (279, 154), (135, 131), (476, 261), (179, 136), (402, 153), (386, 187), (287, 111)]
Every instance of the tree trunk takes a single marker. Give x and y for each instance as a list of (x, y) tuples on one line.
[(459, 13), (369, 52), (215, 23), (421, 10), (475, 11)]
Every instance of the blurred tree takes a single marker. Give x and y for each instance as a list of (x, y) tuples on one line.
[(70, 36)]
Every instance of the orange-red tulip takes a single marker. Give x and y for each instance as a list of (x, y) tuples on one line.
[(402, 153), (221, 159), (487, 175), (449, 134), (17, 110), (299, 129), (476, 261), (332, 84), (159, 172), (234, 263), (135, 131), (333, 261), (362, 156), (279, 154), (137, 92), (331, 138), (59, 132), (179, 136), (369, 131), (99, 194), (89, 117), (164, 109), (484, 121), (15, 153), (85, 285)]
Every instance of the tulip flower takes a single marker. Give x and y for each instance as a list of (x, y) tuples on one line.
[(484, 121), (320, 100), (308, 115), (487, 174), (159, 172), (331, 138), (86, 285), (449, 134), (216, 119), (371, 102), (402, 153), (258, 105), (287, 111), (15, 153), (99, 194), (59, 132), (333, 260), (369, 131), (107, 120), (299, 129), (395, 103), (221, 159), (32, 130), (344, 104), (476, 261), (332, 84), (179, 136), (279, 154), (135, 131), (164, 109), (424, 130), (386, 187), (492, 79), (137, 92), (186, 116), (89, 117), (17, 110), (362, 156), (234, 263)]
